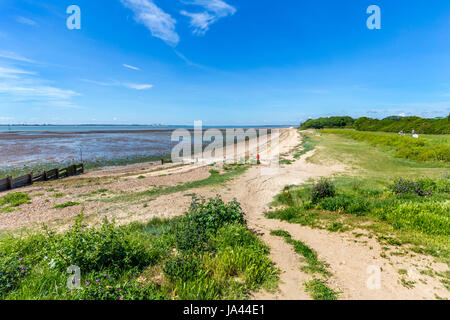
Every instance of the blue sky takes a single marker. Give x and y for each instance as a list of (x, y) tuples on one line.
[(221, 61)]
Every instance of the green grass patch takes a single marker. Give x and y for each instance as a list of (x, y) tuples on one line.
[(215, 178), (307, 145), (314, 266), (11, 201), (319, 290), (66, 204), (421, 149)]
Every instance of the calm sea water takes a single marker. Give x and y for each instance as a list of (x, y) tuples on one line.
[(27, 146), (83, 128)]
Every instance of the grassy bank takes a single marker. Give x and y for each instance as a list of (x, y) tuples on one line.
[(208, 253), (426, 148), (399, 201)]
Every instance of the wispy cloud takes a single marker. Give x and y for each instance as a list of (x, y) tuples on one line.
[(189, 62), (160, 24), (138, 86), (131, 67), (20, 85), (14, 56), (27, 21), (135, 86), (213, 10), (13, 73)]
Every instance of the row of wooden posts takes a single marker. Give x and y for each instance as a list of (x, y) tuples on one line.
[(11, 183)]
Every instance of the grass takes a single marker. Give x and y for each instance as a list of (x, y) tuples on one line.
[(313, 264), (307, 145), (141, 261), (365, 199), (425, 148), (215, 178), (11, 201), (317, 288), (66, 204)]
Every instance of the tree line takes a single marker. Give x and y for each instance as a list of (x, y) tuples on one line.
[(389, 124)]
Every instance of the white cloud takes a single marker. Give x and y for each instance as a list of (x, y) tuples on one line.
[(19, 85), (213, 11), (137, 86), (14, 56), (131, 67), (13, 73), (27, 21), (160, 24)]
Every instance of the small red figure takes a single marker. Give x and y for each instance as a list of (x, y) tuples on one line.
[(257, 157)]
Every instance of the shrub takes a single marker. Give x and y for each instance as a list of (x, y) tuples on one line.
[(212, 214), (182, 267), (204, 218), (95, 249), (322, 189), (421, 188)]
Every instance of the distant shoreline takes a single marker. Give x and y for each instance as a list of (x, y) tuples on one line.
[(75, 129)]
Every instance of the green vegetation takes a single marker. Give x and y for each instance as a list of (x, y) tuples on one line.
[(209, 253), (307, 145), (401, 201), (389, 124), (66, 204), (317, 288), (330, 122), (231, 171), (11, 201), (421, 149), (407, 124)]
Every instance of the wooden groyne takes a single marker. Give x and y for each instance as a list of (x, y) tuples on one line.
[(11, 183)]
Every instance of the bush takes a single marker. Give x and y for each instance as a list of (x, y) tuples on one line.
[(421, 188), (95, 249), (407, 124), (331, 122), (182, 267), (345, 203), (204, 218), (322, 189)]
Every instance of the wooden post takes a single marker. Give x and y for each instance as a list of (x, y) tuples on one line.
[(57, 173), (82, 168), (30, 178), (162, 161), (44, 174), (9, 183)]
